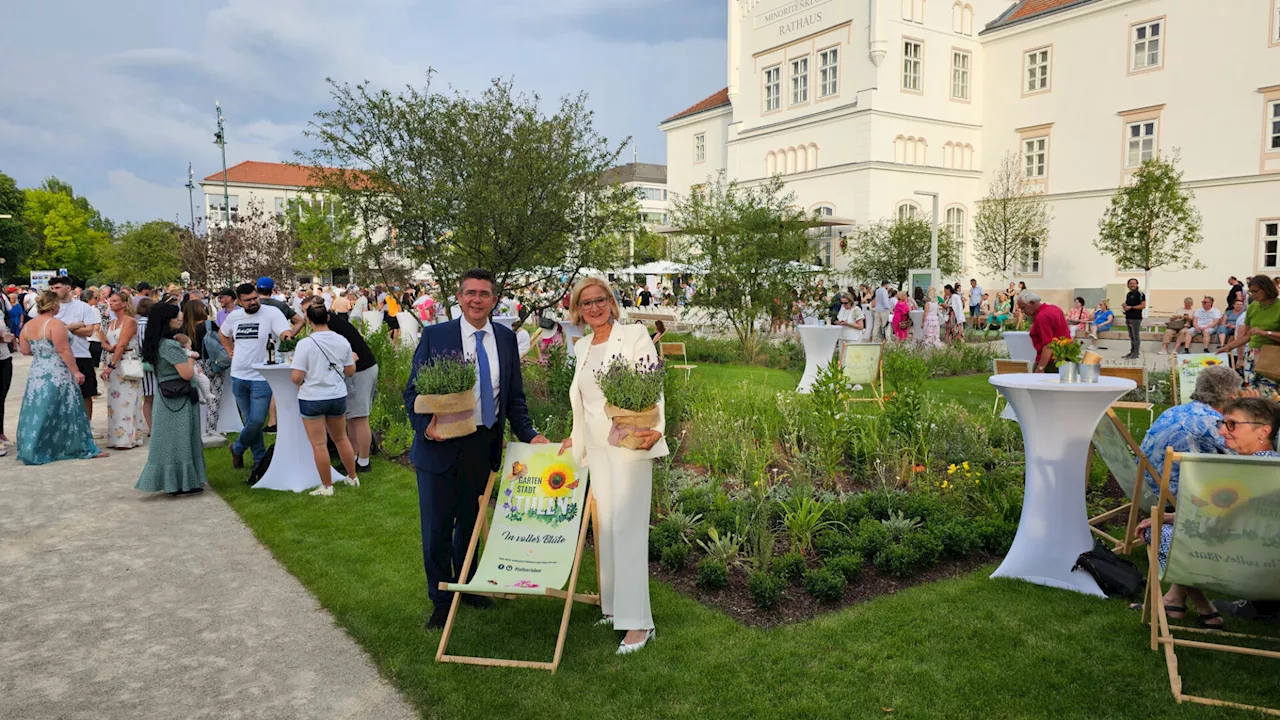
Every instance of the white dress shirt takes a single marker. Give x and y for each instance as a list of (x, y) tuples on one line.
[(490, 347), (882, 300)]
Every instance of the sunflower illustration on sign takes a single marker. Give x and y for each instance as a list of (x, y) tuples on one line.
[(558, 480), (1222, 499)]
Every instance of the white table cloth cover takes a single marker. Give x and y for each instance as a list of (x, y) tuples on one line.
[(1020, 346), (372, 320), (506, 320), (292, 465), (571, 334), (1057, 422), (228, 413), (819, 347), (917, 325)]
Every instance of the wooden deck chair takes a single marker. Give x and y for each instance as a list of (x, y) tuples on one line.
[(863, 364), (1139, 376), (534, 353), (1183, 372), (540, 494), (1130, 467), (1002, 366), (1224, 542), (667, 349)]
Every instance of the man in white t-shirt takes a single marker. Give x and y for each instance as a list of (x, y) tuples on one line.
[(1206, 320), (245, 334), (82, 321), (975, 303)]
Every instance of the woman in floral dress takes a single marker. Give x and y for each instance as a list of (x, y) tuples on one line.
[(124, 396), (53, 424), (930, 337)]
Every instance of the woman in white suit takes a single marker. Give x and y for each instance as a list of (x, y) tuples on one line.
[(622, 479)]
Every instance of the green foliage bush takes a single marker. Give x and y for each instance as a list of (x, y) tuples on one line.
[(880, 504), (388, 417), (959, 537), (825, 585), (789, 567), (916, 551), (835, 543), (872, 537), (674, 556), (712, 574), (848, 566), (765, 589), (660, 536)]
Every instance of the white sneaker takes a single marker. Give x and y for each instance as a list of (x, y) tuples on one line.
[(625, 649), (323, 491), (1164, 352), (352, 481), (606, 620)]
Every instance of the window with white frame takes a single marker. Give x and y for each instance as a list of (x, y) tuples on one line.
[(1031, 262), (908, 210), (218, 210), (960, 65), (281, 206), (1146, 45), (912, 61), (956, 226), (651, 193), (1141, 137), (1037, 64), (824, 236), (1035, 158), (772, 88), (699, 147), (800, 80), (829, 72), (1269, 256), (1273, 125)]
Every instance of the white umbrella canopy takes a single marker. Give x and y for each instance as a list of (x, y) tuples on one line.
[(658, 267)]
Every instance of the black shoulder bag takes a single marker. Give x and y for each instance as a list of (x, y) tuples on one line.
[(1115, 575)]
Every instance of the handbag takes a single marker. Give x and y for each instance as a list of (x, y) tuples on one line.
[(1177, 324), (1116, 576), (1267, 362), (213, 349), (179, 388), (905, 323), (546, 323), (131, 367)]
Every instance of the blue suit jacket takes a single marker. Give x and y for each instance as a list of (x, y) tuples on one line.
[(437, 457)]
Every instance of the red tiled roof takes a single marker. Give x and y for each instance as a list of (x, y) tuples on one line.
[(717, 100), (1027, 9), (268, 173)]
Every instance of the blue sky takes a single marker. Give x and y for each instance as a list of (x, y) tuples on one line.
[(116, 97)]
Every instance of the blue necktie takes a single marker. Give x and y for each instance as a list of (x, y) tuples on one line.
[(486, 382)]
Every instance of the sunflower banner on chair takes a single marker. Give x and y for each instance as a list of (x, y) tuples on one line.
[(533, 546)]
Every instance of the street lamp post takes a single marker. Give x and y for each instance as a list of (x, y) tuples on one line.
[(220, 139), (933, 243), (191, 198)]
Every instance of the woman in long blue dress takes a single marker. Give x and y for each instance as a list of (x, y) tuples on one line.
[(52, 425), (175, 455)]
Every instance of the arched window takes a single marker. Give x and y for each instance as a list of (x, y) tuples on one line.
[(811, 151), (791, 160), (957, 227), (968, 157), (802, 159), (770, 164), (957, 17), (921, 150), (966, 20), (824, 237), (908, 210), (900, 149), (948, 160)]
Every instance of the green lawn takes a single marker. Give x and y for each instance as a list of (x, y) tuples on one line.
[(969, 647)]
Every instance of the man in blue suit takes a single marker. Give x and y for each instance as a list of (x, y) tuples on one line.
[(452, 473)]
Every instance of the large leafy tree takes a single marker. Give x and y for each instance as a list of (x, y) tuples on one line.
[(1012, 220), (323, 233), (65, 234), (889, 249), (751, 245), (454, 181), (1152, 222), (150, 251), (16, 243)]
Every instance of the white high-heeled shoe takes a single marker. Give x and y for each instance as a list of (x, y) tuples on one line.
[(625, 649), (606, 620)]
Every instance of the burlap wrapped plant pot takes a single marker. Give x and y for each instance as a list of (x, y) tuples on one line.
[(455, 412), (626, 421)]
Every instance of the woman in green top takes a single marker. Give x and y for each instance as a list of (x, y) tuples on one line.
[(175, 456), (1259, 327)]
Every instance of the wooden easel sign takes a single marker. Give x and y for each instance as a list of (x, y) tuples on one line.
[(863, 364), (534, 546)]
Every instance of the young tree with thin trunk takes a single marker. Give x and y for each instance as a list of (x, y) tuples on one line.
[(1011, 222), (889, 249), (1152, 222)]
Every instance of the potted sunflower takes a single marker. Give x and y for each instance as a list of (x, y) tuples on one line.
[(445, 386), (631, 395)]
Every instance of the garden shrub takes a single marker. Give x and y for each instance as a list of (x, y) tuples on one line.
[(884, 502), (833, 544), (789, 567), (918, 550), (765, 590), (696, 500), (926, 506), (959, 537), (848, 566), (674, 556), (388, 418), (854, 508), (872, 536), (825, 585), (660, 536), (905, 369), (712, 574), (994, 535)]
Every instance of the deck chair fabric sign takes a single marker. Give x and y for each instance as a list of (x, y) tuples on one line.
[(533, 546), (1126, 462)]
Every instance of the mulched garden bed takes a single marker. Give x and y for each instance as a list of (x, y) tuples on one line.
[(797, 605)]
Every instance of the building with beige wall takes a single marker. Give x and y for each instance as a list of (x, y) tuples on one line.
[(861, 103)]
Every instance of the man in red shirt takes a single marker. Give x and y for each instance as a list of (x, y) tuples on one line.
[(1047, 324)]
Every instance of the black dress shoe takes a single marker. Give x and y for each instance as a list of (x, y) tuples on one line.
[(478, 601), (237, 459), (438, 618)]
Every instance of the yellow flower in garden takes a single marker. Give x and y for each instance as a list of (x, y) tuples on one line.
[(951, 470), (965, 464), (1223, 499), (557, 480)]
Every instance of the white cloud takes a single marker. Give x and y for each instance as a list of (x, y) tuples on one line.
[(127, 196)]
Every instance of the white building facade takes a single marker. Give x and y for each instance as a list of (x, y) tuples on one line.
[(649, 182), (859, 104)]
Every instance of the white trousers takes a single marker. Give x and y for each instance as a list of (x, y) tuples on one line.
[(623, 487)]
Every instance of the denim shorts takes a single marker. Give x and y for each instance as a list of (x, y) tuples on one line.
[(312, 409)]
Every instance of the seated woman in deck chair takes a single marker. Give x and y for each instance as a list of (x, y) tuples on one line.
[(1248, 427)]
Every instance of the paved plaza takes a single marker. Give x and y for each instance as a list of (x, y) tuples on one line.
[(116, 605)]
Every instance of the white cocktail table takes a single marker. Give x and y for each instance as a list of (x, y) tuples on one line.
[(571, 334), (506, 320), (917, 325), (1057, 422), (292, 465), (819, 346), (228, 413)]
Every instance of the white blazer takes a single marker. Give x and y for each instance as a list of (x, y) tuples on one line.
[(632, 343)]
